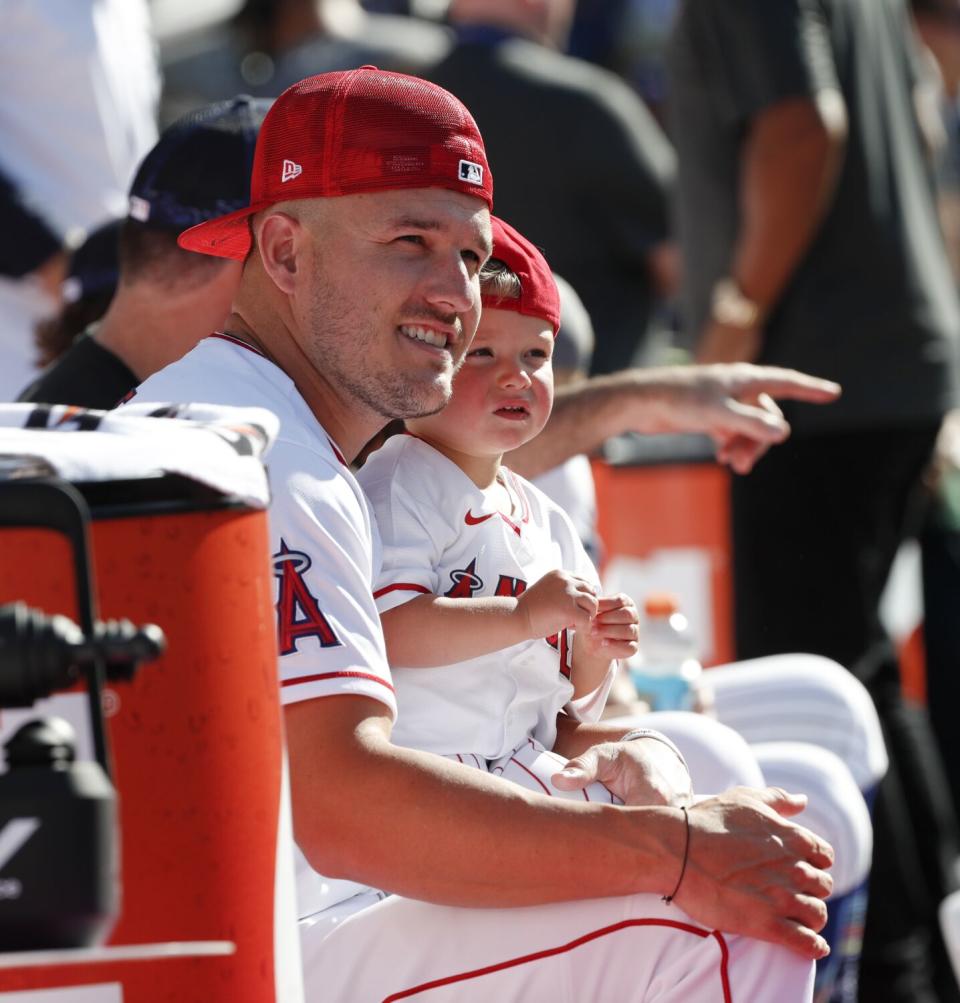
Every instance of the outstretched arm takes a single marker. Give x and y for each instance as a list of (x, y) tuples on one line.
[(733, 404)]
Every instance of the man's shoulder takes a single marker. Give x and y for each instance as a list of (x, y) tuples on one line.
[(221, 370)]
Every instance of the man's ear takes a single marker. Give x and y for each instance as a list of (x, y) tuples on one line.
[(280, 239)]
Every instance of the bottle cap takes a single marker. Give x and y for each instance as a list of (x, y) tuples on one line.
[(661, 604)]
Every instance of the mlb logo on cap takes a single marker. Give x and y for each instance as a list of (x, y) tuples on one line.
[(471, 173)]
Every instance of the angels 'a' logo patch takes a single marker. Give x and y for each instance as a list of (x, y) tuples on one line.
[(466, 581), (508, 586), (298, 612)]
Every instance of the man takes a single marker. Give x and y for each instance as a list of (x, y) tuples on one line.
[(362, 247), (167, 298), (810, 239), (612, 172)]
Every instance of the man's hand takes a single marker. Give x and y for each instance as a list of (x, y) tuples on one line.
[(644, 771), (559, 599), (751, 871), (734, 404)]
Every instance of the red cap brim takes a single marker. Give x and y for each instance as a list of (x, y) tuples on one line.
[(224, 237)]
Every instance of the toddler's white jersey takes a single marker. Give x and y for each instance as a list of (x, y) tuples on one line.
[(441, 536), (323, 541)]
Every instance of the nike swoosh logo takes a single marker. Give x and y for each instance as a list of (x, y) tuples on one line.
[(474, 520)]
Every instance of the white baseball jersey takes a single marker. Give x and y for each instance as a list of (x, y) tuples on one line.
[(441, 536), (326, 555), (324, 545)]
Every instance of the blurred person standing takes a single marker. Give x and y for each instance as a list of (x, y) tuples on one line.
[(562, 132), (270, 44), (938, 25), (91, 282), (810, 239), (167, 298), (78, 95)]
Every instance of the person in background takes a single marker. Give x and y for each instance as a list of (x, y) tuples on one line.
[(810, 238), (167, 298), (78, 99), (570, 484), (87, 290), (563, 132), (270, 44)]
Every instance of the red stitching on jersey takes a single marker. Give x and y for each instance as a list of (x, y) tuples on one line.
[(223, 336), (546, 790), (518, 487), (579, 942), (510, 523), (336, 675), (337, 452), (401, 587)]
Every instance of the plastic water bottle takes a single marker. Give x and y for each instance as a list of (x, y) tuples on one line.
[(665, 671)]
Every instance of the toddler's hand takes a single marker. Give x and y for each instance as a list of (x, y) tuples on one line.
[(559, 599), (614, 631)]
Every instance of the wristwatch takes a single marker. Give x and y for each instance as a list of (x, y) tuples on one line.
[(729, 306)]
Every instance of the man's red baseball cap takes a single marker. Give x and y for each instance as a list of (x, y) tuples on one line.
[(349, 132), (539, 296)]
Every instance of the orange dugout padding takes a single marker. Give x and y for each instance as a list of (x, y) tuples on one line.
[(643, 510), (196, 742), (662, 507)]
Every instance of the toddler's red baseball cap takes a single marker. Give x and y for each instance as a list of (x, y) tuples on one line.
[(539, 296), (349, 132)]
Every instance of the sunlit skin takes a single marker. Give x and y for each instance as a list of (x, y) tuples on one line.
[(393, 275), (502, 395)]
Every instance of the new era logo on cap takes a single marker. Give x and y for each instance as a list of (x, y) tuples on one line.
[(291, 170), (471, 173)]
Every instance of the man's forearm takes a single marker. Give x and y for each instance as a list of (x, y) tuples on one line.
[(586, 414), (425, 827), (789, 165)]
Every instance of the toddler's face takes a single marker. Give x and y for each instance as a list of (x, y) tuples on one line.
[(503, 393)]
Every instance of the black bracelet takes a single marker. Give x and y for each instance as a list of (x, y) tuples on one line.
[(686, 853)]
